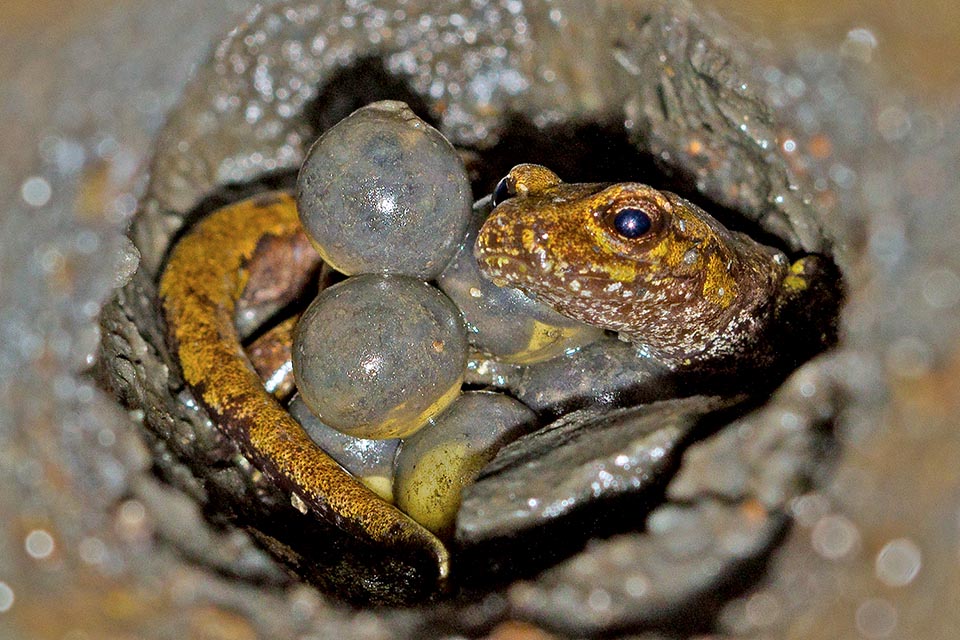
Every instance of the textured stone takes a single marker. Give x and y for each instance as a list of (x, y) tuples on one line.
[(590, 457), (506, 80), (687, 555)]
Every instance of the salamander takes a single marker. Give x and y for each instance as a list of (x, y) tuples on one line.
[(648, 264)]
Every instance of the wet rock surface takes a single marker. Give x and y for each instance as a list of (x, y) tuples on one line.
[(189, 167), (224, 151), (586, 460), (884, 188), (727, 509), (722, 145), (687, 554)]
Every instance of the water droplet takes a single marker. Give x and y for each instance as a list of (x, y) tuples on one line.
[(35, 191), (909, 357), (898, 563), (92, 550), (859, 44), (808, 509), (298, 503), (762, 609), (599, 600), (39, 544), (876, 618), (834, 537), (132, 513), (6, 597), (893, 123), (941, 288), (637, 585)]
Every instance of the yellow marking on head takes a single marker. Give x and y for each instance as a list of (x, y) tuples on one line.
[(528, 238), (663, 255), (719, 287), (796, 280), (668, 253), (659, 250), (621, 271), (529, 179)]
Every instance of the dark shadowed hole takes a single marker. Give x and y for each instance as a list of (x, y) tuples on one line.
[(358, 85)]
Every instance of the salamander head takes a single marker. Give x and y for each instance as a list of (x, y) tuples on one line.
[(625, 256)]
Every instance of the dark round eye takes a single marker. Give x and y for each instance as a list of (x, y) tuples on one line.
[(502, 191), (631, 223)]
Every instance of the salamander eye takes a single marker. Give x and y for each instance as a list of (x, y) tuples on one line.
[(632, 223), (503, 191)]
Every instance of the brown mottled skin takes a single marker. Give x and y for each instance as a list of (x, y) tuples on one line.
[(199, 290), (271, 354), (688, 291)]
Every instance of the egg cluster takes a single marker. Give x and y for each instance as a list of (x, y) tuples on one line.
[(380, 357)]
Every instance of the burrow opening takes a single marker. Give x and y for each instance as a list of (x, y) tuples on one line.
[(578, 152)]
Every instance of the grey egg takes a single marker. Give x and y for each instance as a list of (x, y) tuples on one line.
[(384, 192), (378, 356)]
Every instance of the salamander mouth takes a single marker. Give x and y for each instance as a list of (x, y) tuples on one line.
[(503, 257), (502, 268)]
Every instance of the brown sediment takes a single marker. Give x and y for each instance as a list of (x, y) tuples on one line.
[(199, 291)]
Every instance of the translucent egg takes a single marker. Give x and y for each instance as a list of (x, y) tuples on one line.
[(378, 356), (435, 464), (384, 192)]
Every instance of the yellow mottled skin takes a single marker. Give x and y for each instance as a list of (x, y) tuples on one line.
[(685, 290), (796, 280), (198, 291)]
